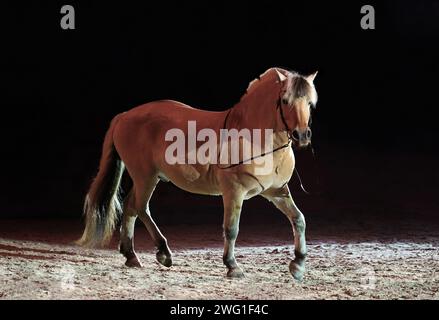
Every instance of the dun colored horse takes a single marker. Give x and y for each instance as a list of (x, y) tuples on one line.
[(279, 100)]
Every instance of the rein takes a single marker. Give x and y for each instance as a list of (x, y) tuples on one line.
[(286, 145)]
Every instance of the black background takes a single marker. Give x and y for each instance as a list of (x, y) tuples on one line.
[(375, 127)]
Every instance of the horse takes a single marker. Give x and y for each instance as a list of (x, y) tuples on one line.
[(279, 100)]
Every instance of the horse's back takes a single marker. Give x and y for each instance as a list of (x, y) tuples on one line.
[(140, 133), (170, 109)]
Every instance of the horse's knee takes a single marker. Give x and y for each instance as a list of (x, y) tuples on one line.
[(299, 223), (231, 233)]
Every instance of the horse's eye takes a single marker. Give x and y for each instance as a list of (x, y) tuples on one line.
[(285, 101)]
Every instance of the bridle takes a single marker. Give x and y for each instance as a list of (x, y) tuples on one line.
[(287, 128), (286, 145)]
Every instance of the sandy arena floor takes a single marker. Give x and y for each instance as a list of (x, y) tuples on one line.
[(38, 261)]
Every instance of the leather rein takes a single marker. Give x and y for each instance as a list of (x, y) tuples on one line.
[(286, 145)]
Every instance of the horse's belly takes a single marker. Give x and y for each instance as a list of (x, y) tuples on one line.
[(192, 178)]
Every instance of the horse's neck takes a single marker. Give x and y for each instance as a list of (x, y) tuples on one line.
[(257, 109)]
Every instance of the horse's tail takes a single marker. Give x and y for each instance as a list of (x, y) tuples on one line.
[(102, 207)]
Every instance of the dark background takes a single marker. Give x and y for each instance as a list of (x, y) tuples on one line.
[(375, 127)]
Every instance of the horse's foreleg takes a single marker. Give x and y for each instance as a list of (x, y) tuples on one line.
[(284, 202), (232, 212)]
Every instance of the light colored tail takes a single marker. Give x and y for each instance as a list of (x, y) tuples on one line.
[(102, 207)]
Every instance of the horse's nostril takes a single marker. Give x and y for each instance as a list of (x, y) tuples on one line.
[(296, 135), (308, 133)]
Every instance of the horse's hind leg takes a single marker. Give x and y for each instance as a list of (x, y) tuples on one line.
[(284, 202), (163, 255), (137, 204), (126, 246)]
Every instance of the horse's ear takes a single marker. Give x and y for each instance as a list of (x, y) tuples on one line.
[(280, 76), (312, 76)]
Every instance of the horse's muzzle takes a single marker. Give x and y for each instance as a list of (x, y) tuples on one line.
[(302, 138)]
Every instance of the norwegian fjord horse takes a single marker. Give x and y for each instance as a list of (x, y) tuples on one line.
[(279, 100)]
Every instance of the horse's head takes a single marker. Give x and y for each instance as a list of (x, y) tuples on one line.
[(297, 99)]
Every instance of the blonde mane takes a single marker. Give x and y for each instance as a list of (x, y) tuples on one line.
[(297, 85)]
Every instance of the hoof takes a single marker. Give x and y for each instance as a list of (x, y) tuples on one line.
[(235, 273), (133, 262), (163, 259), (297, 269)]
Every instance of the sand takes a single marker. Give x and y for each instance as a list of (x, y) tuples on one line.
[(39, 261)]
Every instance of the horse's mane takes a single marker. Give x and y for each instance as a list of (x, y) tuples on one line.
[(297, 85), (253, 84)]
